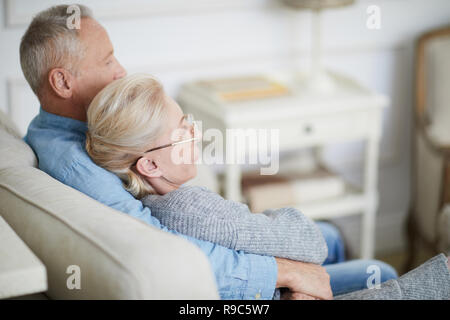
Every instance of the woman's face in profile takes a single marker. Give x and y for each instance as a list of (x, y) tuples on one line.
[(177, 163)]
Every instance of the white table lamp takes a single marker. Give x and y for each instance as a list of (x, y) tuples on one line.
[(318, 80)]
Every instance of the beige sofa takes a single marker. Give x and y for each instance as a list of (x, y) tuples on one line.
[(119, 256)]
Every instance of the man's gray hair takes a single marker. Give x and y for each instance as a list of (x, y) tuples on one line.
[(49, 43)]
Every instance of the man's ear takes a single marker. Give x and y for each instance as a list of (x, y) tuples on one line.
[(61, 82), (148, 168)]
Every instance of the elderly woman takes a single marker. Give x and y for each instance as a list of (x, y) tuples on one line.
[(139, 133)]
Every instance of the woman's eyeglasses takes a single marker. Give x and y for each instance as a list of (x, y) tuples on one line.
[(189, 118)]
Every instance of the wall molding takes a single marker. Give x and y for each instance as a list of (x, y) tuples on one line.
[(22, 104), (129, 9), (288, 56), (388, 156), (103, 9)]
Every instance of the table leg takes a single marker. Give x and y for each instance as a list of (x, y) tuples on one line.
[(368, 233), (370, 191), (233, 182)]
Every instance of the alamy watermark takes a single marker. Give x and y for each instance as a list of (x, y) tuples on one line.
[(74, 20), (74, 280), (234, 146), (374, 280), (373, 21)]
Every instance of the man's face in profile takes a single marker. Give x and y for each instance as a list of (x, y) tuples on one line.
[(98, 67)]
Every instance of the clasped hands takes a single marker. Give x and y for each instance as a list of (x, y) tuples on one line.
[(304, 281)]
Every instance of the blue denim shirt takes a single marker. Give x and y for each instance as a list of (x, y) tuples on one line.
[(59, 145)]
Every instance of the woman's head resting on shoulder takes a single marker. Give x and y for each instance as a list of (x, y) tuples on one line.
[(132, 128)]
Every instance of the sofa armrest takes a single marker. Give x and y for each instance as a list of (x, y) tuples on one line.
[(119, 257)]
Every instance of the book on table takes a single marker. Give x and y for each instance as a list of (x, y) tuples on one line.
[(242, 88), (288, 189)]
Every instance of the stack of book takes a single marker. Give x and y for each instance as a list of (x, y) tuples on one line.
[(242, 88), (289, 189)]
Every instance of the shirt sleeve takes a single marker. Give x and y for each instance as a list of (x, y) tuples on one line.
[(238, 275)]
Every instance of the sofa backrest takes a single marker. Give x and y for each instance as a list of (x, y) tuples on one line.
[(118, 256), (14, 152)]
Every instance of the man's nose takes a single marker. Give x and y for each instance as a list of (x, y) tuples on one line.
[(120, 73)]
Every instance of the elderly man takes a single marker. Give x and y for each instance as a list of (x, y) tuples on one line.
[(66, 68)]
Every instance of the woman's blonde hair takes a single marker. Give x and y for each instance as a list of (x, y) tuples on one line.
[(124, 119)]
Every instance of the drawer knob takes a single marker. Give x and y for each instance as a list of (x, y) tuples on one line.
[(307, 128)]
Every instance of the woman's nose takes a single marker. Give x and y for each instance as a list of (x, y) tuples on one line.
[(195, 131)]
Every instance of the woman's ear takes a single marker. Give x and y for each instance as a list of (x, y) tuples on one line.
[(148, 168), (61, 82)]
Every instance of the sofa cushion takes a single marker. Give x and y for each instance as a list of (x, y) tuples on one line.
[(119, 257), (15, 152)]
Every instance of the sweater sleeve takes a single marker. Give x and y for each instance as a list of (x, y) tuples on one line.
[(203, 214), (429, 281)]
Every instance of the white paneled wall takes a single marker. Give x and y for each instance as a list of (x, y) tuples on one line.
[(179, 40)]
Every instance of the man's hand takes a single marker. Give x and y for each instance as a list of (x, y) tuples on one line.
[(303, 279), (296, 296)]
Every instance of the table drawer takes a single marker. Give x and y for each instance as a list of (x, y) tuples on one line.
[(322, 129)]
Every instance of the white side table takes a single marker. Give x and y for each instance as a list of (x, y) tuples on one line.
[(21, 272), (306, 119)]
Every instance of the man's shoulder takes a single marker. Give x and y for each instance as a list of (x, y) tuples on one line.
[(77, 162), (62, 155), (59, 144), (74, 164)]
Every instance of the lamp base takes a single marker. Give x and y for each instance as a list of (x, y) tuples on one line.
[(318, 82)]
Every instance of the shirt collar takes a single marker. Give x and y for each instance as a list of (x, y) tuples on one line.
[(60, 122)]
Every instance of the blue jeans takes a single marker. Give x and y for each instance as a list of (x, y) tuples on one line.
[(348, 276)]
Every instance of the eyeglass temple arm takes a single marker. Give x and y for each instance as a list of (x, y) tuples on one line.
[(172, 144)]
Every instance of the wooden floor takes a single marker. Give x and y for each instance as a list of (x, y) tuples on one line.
[(398, 259)]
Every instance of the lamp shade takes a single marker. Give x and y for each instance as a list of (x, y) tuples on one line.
[(317, 4)]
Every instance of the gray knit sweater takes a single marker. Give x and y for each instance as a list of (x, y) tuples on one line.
[(430, 281), (203, 214)]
